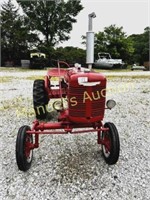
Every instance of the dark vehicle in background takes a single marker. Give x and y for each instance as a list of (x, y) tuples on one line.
[(38, 61)]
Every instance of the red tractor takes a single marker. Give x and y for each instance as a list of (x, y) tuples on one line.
[(85, 93)]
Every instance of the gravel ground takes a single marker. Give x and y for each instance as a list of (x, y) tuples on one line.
[(69, 167)]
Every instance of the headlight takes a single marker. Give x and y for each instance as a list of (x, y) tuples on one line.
[(110, 104), (57, 105)]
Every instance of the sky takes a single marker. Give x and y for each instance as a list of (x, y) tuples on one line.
[(132, 15)]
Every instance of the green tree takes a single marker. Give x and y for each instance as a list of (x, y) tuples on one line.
[(71, 55), (141, 46), (53, 19), (15, 36), (114, 41)]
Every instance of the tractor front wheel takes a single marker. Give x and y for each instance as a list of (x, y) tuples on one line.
[(110, 144), (24, 151)]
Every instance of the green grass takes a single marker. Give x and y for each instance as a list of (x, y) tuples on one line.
[(112, 70), (6, 79), (11, 69), (17, 105), (34, 77), (18, 69), (128, 77)]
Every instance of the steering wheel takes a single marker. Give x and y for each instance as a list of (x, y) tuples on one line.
[(64, 63)]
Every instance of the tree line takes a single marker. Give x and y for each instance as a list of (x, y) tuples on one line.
[(43, 24)]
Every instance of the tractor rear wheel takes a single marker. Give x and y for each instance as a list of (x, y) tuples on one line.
[(40, 99), (111, 144), (24, 153)]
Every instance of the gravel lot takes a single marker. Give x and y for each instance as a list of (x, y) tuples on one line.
[(69, 167)]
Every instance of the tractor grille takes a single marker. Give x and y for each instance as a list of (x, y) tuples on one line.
[(92, 108)]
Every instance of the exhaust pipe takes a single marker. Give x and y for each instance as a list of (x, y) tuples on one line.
[(90, 42)]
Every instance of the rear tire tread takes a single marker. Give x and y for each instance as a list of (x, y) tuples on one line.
[(40, 99)]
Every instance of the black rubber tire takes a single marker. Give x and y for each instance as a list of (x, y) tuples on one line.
[(40, 99), (113, 154), (23, 162)]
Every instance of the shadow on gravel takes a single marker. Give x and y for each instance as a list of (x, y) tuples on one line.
[(79, 167)]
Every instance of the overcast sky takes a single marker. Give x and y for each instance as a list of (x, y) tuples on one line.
[(133, 15)]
